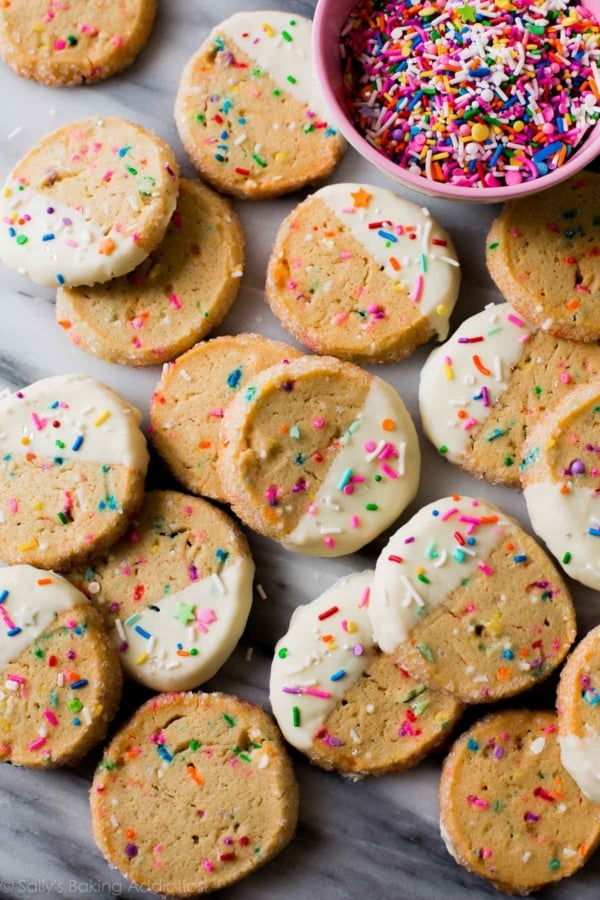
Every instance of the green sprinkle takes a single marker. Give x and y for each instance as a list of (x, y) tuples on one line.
[(283, 653), (508, 461), (416, 691), (200, 117), (259, 162), (72, 40), (62, 518), (60, 444), (443, 449), (194, 745), (194, 651), (250, 392), (131, 170), (426, 651), (53, 698), (554, 863), (537, 390), (420, 707), (566, 558), (276, 92), (307, 130), (286, 36), (22, 239), (230, 721), (423, 578), (291, 79), (245, 757), (378, 477), (256, 72), (371, 507), (296, 716), (75, 705), (108, 765), (498, 806), (494, 246), (38, 653)]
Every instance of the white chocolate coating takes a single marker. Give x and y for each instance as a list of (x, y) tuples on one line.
[(428, 271), (260, 36), (450, 379), (31, 607), (338, 522), (427, 546), (64, 247), (581, 758), (80, 404), (309, 663), (220, 606)]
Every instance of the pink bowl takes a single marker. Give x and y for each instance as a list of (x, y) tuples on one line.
[(330, 17)]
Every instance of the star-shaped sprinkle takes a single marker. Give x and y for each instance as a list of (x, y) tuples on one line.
[(185, 612), (25, 616), (361, 198), (467, 13)]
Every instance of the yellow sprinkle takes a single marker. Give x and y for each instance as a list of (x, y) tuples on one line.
[(350, 627), (154, 548), (98, 709), (25, 440), (440, 717), (280, 156), (420, 570), (442, 310), (448, 372), (102, 418), (7, 192), (38, 28), (550, 443), (479, 131), (398, 286), (141, 659), (268, 30), (519, 126), (38, 506), (28, 545)]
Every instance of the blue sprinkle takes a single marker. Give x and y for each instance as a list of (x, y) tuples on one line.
[(224, 135), (472, 744), (75, 721), (180, 646), (144, 634), (47, 237), (329, 132), (162, 751), (387, 236), (102, 505), (435, 512), (3, 596), (337, 675), (58, 460), (233, 379), (75, 685), (12, 232), (242, 120), (124, 151), (219, 157), (508, 654), (60, 279), (547, 151), (496, 155), (480, 73), (222, 554), (521, 558), (54, 405), (14, 631), (595, 532), (419, 94), (77, 443), (471, 541)]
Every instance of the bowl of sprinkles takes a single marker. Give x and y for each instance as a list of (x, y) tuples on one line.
[(479, 100)]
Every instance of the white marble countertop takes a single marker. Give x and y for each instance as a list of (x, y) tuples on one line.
[(379, 837)]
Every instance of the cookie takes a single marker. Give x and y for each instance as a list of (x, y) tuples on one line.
[(361, 274), (175, 592), (73, 43), (578, 717), (61, 681), (481, 392), (174, 298), (72, 465), (250, 112), (88, 203), (560, 474), (471, 602), (509, 811), (319, 455), (196, 792), (190, 401), (344, 704), (543, 252)]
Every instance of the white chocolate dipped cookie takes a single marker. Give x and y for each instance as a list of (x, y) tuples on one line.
[(342, 702), (560, 475), (318, 455), (249, 109), (88, 203), (481, 392), (73, 461), (175, 592), (471, 602), (360, 273), (60, 674)]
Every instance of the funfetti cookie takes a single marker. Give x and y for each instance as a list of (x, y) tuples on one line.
[(343, 703), (88, 203), (360, 273), (72, 465), (61, 680), (481, 392), (318, 455), (471, 603), (175, 592), (543, 252), (510, 812), (78, 42), (560, 475), (171, 300), (191, 397), (194, 793), (577, 703), (250, 112)]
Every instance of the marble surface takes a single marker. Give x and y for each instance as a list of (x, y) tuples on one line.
[(377, 837)]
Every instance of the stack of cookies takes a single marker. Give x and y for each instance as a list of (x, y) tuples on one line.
[(462, 607)]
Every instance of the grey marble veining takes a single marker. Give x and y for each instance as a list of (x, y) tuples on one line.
[(379, 837)]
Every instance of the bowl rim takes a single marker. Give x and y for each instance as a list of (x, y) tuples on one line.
[(322, 51)]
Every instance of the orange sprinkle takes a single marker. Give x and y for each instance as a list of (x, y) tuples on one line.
[(64, 323), (197, 779), (44, 581), (523, 651), (183, 653), (327, 637), (107, 247), (510, 547), (284, 429), (461, 414), (204, 445), (574, 304), (129, 833), (388, 424), (565, 489), (503, 673), (479, 365), (489, 520), (395, 264)]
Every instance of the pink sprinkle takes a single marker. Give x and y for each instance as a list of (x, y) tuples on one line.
[(329, 541), (389, 472), (549, 729), (313, 692), (348, 209), (485, 853), (18, 678), (137, 343), (208, 865), (312, 509), (51, 717), (339, 318), (206, 616), (515, 320), (345, 254), (524, 338), (565, 378), (345, 625), (138, 322), (485, 568), (469, 424), (471, 520), (388, 451), (13, 505), (117, 41), (218, 412), (71, 243), (369, 446), (108, 175), (475, 801), (39, 742), (364, 600), (355, 521), (175, 301), (40, 424), (59, 45), (357, 479), (449, 513), (418, 291), (349, 490), (89, 29), (292, 285), (318, 423)]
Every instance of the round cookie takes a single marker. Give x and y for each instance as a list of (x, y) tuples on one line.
[(196, 792), (319, 455), (175, 593), (543, 252), (76, 42), (509, 811), (578, 716), (88, 203), (344, 704), (362, 274), (471, 602), (190, 400), (481, 392), (174, 298), (72, 465), (560, 475), (60, 676), (250, 112)]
